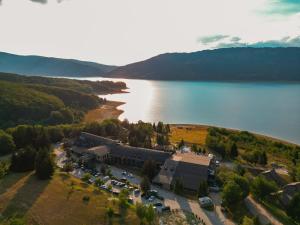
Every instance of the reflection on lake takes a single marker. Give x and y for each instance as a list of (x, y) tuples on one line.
[(267, 108)]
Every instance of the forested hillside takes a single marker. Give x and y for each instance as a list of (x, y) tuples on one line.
[(39, 100), (227, 64), (39, 65)]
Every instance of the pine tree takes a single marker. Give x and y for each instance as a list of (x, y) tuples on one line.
[(233, 151), (44, 165)]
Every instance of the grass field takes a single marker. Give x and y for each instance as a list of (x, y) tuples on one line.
[(58, 201), (192, 134)]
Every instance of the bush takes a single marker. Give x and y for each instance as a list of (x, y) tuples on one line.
[(145, 185), (86, 198), (262, 187), (293, 209), (232, 193), (86, 177), (7, 144)]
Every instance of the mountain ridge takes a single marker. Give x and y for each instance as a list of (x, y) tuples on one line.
[(50, 66), (224, 64)]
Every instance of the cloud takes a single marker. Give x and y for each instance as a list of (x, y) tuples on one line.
[(211, 39), (284, 42), (282, 7), (40, 1)]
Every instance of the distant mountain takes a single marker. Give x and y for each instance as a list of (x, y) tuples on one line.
[(242, 64), (47, 66)]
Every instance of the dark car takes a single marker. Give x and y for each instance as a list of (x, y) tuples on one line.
[(166, 209), (158, 204)]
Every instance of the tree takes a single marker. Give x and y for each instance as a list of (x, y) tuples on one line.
[(145, 185), (140, 210), (293, 209), (243, 183), (232, 193), (68, 167), (181, 144), (203, 189), (42, 139), (103, 169), (110, 213), (44, 165), (194, 148), (23, 160), (7, 144), (160, 127), (233, 151), (150, 214), (262, 158), (239, 169), (99, 182), (262, 187), (123, 198), (248, 221), (55, 133), (86, 177), (149, 169)]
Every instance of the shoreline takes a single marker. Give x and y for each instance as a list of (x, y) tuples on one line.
[(109, 110)]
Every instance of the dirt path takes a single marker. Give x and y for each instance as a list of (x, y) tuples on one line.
[(258, 210)]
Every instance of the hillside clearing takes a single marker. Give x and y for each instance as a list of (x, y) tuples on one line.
[(58, 201)]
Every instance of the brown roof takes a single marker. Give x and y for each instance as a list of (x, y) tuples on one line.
[(190, 168), (193, 158)]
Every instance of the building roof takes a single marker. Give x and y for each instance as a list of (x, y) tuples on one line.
[(99, 150), (189, 167), (272, 175), (193, 158), (120, 150), (289, 191)]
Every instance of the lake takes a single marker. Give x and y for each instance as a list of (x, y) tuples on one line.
[(267, 108)]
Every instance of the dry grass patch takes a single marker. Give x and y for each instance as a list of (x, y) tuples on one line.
[(193, 134), (59, 201)]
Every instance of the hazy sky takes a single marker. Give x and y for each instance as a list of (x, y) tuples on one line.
[(124, 31)]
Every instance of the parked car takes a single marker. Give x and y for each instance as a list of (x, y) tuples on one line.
[(205, 202), (152, 192), (158, 204), (104, 187), (166, 209), (137, 191), (151, 198), (214, 188), (106, 178)]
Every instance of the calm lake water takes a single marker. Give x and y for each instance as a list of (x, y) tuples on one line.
[(267, 108)]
